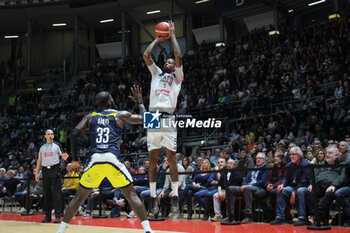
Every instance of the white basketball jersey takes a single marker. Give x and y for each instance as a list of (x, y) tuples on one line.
[(165, 89)]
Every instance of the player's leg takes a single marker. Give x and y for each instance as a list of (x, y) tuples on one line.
[(153, 173), (171, 155), (153, 144), (137, 206), (153, 170), (169, 141), (73, 207)]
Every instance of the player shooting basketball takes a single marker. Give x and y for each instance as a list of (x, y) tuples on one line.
[(165, 88)]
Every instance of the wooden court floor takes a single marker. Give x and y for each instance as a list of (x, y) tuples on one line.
[(15, 223)]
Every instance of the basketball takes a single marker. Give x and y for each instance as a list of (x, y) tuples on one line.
[(162, 29)]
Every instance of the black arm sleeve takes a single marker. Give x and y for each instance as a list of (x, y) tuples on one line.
[(73, 143)]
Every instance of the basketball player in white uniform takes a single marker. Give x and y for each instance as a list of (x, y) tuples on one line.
[(165, 88)]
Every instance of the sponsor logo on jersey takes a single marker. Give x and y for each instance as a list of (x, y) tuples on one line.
[(48, 154)]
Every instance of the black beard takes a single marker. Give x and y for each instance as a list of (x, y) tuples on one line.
[(167, 70)]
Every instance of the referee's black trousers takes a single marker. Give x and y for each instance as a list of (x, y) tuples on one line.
[(52, 190)]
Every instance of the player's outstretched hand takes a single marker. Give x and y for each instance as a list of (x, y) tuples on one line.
[(136, 93), (76, 166), (171, 27)]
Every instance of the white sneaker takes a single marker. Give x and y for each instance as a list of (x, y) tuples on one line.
[(95, 194), (132, 214), (22, 210), (120, 202), (87, 214)]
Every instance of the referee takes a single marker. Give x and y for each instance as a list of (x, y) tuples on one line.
[(49, 160)]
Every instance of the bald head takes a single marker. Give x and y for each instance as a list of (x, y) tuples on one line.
[(101, 99), (49, 136)]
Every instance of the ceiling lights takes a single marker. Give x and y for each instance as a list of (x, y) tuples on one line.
[(59, 24), (11, 37), (201, 1), (153, 12), (315, 3), (106, 20)]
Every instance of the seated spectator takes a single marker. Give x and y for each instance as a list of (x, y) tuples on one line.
[(320, 156), (225, 154), (3, 177), (294, 183), (145, 164), (70, 185), (245, 161), (188, 168), (21, 195), (210, 193), (106, 191), (198, 164), (310, 157), (253, 185), (141, 180), (117, 202), (145, 194), (21, 174), (128, 166), (328, 180), (166, 195), (10, 185), (343, 193), (344, 150), (206, 192), (179, 158), (234, 178), (214, 158), (200, 183), (274, 180)]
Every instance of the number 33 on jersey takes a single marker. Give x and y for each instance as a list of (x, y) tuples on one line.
[(105, 133)]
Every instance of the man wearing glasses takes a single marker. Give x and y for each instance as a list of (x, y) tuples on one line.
[(294, 183), (253, 184)]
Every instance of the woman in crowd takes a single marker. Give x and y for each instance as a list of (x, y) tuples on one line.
[(310, 157), (202, 183), (188, 168), (320, 156)]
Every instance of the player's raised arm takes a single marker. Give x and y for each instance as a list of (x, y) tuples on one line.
[(147, 54), (136, 97), (81, 127), (175, 44), (135, 119)]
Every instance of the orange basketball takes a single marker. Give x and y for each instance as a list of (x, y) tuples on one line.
[(162, 29)]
